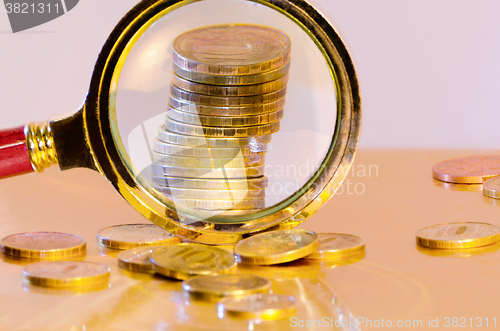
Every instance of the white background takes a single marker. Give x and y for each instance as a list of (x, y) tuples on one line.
[(429, 69)]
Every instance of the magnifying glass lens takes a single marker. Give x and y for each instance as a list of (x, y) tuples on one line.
[(225, 114)]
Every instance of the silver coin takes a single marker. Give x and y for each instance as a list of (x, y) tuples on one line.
[(215, 132), (209, 100), (231, 80), (225, 121), (230, 91)]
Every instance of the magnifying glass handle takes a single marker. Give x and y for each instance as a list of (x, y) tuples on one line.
[(37, 146), (14, 156)]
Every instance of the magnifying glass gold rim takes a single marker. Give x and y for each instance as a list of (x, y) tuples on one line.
[(105, 145)]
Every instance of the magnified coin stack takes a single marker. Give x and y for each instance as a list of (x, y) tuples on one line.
[(227, 98)]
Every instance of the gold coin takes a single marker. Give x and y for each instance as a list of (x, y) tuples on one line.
[(229, 173), (183, 261), (202, 151), (276, 247), (225, 121), (232, 80), (209, 100), (183, 193), (491, 188), (337, 245), (43, 245), (213, 288), (67, 274), (137, 259), (212, 184), (254, 142), (193, 108), (221, 204), (214, 132), (458, 235), (230, 91), (260, 306), (128, 236), (210, 163), (231, 49)]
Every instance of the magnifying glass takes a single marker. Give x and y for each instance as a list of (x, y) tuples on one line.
[(212, 156)]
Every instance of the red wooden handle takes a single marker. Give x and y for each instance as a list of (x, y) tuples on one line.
[(14, 157)]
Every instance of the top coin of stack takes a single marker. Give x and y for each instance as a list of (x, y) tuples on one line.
[(226, 99)]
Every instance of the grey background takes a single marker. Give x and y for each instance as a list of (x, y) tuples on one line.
[(429, 70)]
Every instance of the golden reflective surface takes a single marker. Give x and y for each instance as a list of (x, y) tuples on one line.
[(387, 197)]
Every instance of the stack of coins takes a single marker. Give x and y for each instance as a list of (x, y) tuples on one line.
[(226, 99)]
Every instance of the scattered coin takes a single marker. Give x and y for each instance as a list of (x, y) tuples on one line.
[(458, 235), (491, 188), (67, 274), (232, 80), (183, 261), (337, 245), (180, 139), (260, 306), (43, 245), (137, 259), (215, 287), (135, 235), (214, 132), (468, 170), (276, 247)]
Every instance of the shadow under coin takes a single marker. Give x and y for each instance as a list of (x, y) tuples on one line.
[(458, 187), (104, 251), (459, 252)]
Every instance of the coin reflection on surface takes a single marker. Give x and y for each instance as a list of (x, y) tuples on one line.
[(458, 187), (459, 252), (300, 268)]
